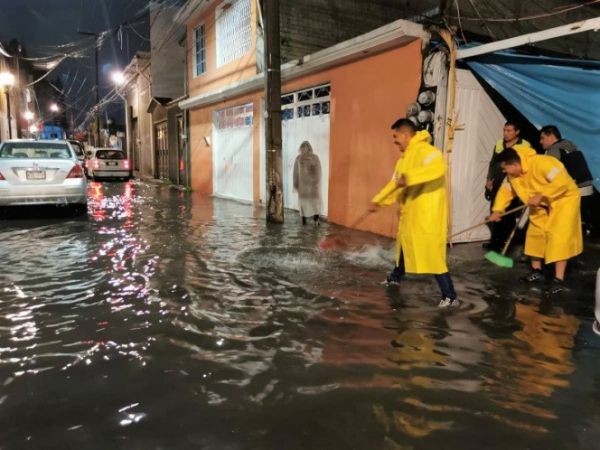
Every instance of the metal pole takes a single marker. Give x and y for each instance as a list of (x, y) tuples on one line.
[(273, 142), (97, 95), (8, 112)]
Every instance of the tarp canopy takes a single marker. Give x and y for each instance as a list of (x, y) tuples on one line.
[(550, 91)]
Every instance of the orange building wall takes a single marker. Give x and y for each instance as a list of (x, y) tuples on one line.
[(367, 97), (215, 78)]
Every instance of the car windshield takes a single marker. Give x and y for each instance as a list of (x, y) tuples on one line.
[(110, 154), (35, 150), (77, 147)]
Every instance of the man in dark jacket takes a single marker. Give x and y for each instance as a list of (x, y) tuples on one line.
[(574, 161), (510, 139)]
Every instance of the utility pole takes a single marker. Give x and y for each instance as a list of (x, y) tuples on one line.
[(273, 143), (8, 112), (96, 44)]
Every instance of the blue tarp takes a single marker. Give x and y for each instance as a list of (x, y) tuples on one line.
[(550, 91)]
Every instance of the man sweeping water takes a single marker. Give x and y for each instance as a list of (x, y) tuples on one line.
[(554, 232), (420, 190)]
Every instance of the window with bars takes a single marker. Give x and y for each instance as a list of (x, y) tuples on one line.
[(234, 30), (199, 51), (306, 103)]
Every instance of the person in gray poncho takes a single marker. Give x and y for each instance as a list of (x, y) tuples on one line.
[(307, 182)]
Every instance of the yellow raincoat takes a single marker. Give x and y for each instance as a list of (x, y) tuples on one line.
[(554, 231), (422, 227)]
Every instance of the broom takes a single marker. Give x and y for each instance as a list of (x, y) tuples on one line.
[(496, 258), (500, 259)]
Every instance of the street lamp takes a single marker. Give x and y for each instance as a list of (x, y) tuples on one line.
[(118, 78), (7, 80), (54, 107)]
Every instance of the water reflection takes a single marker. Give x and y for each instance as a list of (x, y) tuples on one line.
[(167, 311)]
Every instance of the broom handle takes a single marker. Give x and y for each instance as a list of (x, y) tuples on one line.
[(512, 235), (362, 217), (368, 212), (510, 211)]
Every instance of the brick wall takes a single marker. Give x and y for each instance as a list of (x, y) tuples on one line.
[(311, 25)]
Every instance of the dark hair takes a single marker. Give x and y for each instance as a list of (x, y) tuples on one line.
[(511, 123), (509, 156), (551, 129), (404, 123)]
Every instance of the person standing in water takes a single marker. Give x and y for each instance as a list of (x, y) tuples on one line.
[(420, 189), (307, 183)]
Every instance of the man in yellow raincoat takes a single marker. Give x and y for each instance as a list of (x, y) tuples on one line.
[(554, 232), (418, 185), (510, 139)]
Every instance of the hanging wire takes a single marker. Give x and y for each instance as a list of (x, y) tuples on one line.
[(4, 52), (138, 34), (557, 11), (46, 74), (460, 22)]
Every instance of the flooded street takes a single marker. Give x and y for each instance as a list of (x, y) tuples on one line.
[(165, 320)]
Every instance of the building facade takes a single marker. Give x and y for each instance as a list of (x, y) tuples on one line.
[(341, 99)]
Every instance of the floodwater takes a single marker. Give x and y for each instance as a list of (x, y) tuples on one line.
[(164, 320)]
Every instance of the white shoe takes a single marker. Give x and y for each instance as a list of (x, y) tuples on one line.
[(447, 302)]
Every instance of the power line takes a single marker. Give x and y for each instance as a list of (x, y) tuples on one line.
[(542, 15)]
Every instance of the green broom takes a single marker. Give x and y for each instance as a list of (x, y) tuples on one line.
[(500, 259), (496, 258)]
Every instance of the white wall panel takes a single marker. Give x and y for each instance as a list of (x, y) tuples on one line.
[(473, 147)]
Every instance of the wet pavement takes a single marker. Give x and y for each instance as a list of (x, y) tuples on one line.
[(164, 320)]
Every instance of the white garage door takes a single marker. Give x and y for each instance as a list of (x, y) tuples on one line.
[(305, 117), (232, 152)]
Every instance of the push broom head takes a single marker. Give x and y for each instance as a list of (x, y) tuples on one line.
[(499, 260), (331, 243)]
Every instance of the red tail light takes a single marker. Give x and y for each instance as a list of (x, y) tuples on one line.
[(96, 164), (2, 177), (126, 164), (76, 172)]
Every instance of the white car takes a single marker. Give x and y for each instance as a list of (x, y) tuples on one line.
[(108, 163), (41, 172)]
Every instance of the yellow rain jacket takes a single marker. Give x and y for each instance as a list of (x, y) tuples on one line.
[(422, 227), (554, 231)]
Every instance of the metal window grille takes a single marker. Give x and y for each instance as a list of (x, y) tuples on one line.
[(234, 32)]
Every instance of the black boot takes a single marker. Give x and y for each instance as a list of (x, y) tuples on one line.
[(534, 276)]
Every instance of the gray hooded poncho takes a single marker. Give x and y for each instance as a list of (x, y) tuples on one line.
[(307, 181)]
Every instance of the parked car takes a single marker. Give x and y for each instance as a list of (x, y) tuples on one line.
[(108, 163), (41, 172)]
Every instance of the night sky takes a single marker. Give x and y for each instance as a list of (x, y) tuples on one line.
[(42, 26)]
